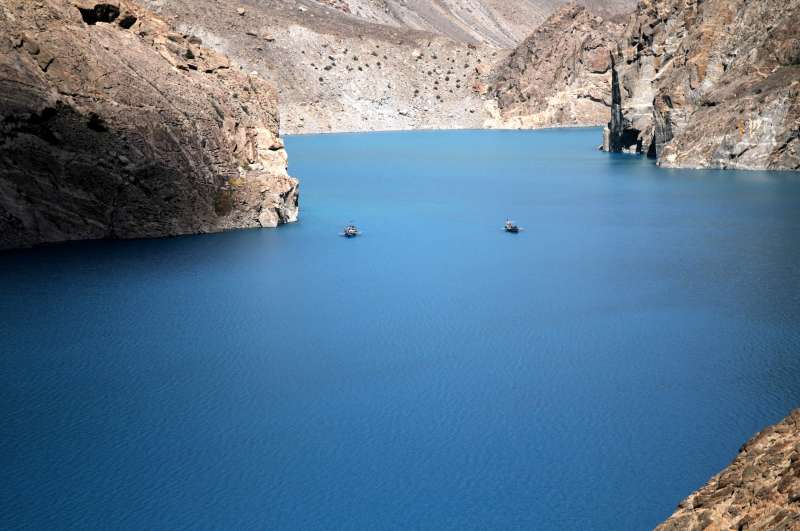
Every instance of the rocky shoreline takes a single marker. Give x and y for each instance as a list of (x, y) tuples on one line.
[(759, 491)]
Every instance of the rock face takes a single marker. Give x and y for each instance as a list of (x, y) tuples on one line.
[(760, 490), (560, 75), (709, 84), (116, 126)]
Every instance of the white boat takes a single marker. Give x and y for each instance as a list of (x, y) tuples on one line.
[(351, 231)]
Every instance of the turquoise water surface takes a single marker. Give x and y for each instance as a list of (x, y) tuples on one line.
[(435, 373)]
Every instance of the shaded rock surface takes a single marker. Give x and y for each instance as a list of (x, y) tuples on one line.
[(560, 75), (116, 126), (712, 83), (759, 491)]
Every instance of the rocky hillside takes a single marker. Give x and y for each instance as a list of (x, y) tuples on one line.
[(116, 126), (759, 491), (560, 75), (339, 72), (362, 65), (712, 83)]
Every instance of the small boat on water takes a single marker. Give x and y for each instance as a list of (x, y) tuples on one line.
[(351, 231), (510, 226)]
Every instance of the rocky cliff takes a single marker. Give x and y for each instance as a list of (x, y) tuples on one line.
[(559, 76), (760, 490), (712, 83), (116, 126)]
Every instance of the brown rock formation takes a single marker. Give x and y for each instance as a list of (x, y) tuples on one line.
[(115, 126), (560, 75), (759, 491), (712, 83)]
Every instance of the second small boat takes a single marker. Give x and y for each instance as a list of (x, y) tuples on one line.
[(512, 227), (351, 231)]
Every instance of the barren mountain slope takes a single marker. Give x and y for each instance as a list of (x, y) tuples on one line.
[(115, 126), (712, 83), (360, 65), (503, 23), (338, 72)]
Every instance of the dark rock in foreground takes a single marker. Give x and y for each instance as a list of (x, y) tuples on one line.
[(115, 126), (710, 84)]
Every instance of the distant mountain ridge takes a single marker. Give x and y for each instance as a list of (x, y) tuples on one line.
[(501, 23)]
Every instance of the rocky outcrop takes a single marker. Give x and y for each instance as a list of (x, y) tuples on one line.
[(709, 84), (559, 76), (116, 126), (759, 491)]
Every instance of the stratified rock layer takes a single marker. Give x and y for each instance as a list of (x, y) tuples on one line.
[(115, 126), (712, 83), (560, 75), (759, 491)]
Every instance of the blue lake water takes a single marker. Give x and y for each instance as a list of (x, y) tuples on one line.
[(435, 373)]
